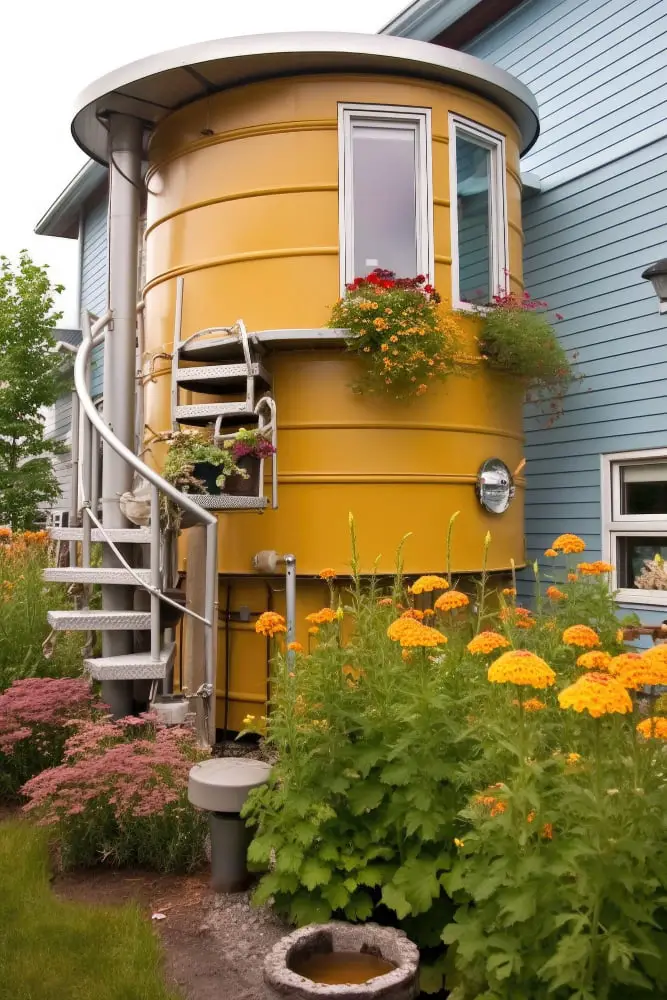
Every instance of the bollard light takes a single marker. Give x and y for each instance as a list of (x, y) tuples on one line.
[(657, 275)]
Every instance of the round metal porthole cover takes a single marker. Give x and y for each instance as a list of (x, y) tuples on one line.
[(495, 486)]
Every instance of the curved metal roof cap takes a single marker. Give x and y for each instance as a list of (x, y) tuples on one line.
[(154, 87)]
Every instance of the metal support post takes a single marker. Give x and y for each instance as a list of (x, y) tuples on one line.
[(74, 475), (290, 596), (211, 615), (125, 136)]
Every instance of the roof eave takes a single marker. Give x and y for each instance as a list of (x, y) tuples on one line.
[(62, 218), (426, 19)]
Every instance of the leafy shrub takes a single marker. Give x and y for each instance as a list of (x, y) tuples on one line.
[(120, 797), (24, 602), (35, 716), (399, 332), (517, 337), (526, 835)]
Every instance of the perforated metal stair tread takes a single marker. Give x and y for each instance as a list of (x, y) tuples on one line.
[(132, 536), (130, 666), (104, 621), (230, 378), (104, 575), (200, 414), (225, 502), (229, 345)]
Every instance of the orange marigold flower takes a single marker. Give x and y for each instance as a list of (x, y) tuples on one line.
[(409, 633), (595, 660), (531, 704), (639, 670), (428, 612), (487, 642), (352, 674), (270, 623), (594, 568), (386, 602), (492, 804), (427, 584), (450, 601), (509, 591), (520, 666), (406, 655), (547, 831), (5, 532), (519, 617), (554, 594), (322, 617), (551, 553), (531, 816), (313, 630), (654, 728), (598, 694), (295, 647), (582, 636), (572, 758), (568, 543), (327, 574), (413, 613), (572, 577)]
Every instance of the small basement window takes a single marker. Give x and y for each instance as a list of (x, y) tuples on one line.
[(385, 190), (478, 213), (635, 519)]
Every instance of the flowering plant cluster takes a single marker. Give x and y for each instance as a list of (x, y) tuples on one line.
[(250, 443), (397, 328), (24, 602), (477, 773), (120, 796), (518, 337), (35, 716)]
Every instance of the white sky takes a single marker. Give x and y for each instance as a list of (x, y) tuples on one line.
[(51, 51)]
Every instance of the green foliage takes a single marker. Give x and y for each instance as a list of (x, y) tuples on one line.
[(31, 377), (50, 948), (517, 337), (528, 839), (399, 332), (189, 448), (24, 602)]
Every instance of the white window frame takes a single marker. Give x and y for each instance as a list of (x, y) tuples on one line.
[(498, 230), (414, 119), (616, 525)]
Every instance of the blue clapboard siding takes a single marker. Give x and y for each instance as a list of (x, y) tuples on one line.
[(598, 70), (94, 276)]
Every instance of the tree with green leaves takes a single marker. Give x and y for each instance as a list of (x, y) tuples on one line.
[(31, 378)]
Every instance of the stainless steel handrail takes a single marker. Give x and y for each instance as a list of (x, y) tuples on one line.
[(93, 334)]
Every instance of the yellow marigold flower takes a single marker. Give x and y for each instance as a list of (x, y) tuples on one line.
[(582, 636), (313, 630), (427, 584), (458, 843), (568, 543), (620, 635), (654, 728), (295, 647), (572, 577), (322, 617), (428, 612), (572, 758), (554, 594), (320, 724), (520, 666), (598, 694), (453, 599), (531, 704), (409, 632), (639, 670), (509, 591), (624, 663), (270, 623), (551, 553), (594, 568), (406, 655), (595, 660), (414, 613), (487, 642), (327, 574)]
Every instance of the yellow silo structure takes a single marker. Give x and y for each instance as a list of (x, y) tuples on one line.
[(264, 188)]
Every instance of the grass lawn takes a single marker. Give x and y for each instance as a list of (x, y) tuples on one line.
[(56, 950)]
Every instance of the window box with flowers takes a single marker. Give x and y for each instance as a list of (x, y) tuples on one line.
[(400, 332), (248, 449)]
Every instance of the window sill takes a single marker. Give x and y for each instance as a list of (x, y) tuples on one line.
[(646, 597)]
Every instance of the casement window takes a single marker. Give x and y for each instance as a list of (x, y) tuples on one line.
[(634, 519), (385, 198), (478, 213)]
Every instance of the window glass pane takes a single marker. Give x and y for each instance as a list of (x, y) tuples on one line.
[(384, 189), (644, 489), (473, 190), (633, 552)]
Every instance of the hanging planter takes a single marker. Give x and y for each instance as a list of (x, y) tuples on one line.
[(195, 465), (248, 449)]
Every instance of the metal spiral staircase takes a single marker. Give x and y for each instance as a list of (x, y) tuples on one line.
[(218, 361)]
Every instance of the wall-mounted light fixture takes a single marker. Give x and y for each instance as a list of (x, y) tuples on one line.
[(657, 275)]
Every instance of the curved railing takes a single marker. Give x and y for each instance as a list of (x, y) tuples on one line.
[(93, 425)]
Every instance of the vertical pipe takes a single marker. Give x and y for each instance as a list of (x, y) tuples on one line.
[(175, 349), (290, 596), (94, 471), (155, 573), (211, 615), (125, 135), (72, 520)]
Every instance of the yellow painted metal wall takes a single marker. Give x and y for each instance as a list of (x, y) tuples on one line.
[(243, 202)]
